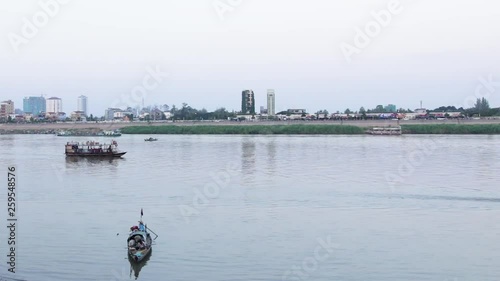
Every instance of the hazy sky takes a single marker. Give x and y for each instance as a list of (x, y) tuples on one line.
[(434, 51)]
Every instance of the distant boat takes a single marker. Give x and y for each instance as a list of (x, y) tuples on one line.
[(110, 134), (150, 139), (386, 131), (88, 134), (64, 134), (93, 149)]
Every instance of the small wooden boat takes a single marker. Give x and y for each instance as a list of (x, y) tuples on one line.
[(139, 241), (150, 139)]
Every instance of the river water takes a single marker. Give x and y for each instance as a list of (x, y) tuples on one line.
[(258, 208)]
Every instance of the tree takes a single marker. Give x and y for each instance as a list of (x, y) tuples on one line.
[(91, 117), (326, 113), (362, 111), (173, 110), (347, 111), (379, 109), (9, 119), (482, 106)]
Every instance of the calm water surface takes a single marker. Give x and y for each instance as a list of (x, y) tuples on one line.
[(285, 208)]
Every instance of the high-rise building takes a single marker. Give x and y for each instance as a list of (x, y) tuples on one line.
[(82, 105), (54, 105), (6, 108), (109, 114), (271, 102), (34, 105), (247, 102)]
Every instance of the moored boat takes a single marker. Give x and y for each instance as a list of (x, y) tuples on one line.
[(93, 149), (150, 139), (64, 134), (115, 133), (385, 131)]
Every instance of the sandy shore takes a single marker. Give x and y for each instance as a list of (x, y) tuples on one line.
[(119, 125)]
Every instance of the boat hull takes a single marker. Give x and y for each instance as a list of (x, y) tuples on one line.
[(136, 254), (96, 155), (139, 256)]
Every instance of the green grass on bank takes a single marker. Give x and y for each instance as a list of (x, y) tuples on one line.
[(455, 129), (246, 130), (300, 129)]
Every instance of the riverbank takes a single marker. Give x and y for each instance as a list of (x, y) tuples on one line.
[(469, 126), (300, 129)]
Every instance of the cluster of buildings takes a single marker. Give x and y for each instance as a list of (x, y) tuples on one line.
[(51, 109), (248, 103), (40, 108), (132, 113)]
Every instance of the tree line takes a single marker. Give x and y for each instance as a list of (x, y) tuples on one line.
[(481, 108)]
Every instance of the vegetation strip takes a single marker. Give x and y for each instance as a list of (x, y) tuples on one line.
[(308, 129), (248, 130)]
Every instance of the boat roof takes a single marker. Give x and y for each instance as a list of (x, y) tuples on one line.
[(92, 143), (138, 232)]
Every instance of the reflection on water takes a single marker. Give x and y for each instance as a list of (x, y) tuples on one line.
[(136, 267), (271, 156), (248, 148), (93, 161)]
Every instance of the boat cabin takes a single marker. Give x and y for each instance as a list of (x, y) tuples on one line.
[(91, 148)]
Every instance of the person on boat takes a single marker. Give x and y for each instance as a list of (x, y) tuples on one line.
[(141, 226), (142, 245), (131, 243)]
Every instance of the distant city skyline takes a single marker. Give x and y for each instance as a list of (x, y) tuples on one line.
[(56, 103), (181, 51)]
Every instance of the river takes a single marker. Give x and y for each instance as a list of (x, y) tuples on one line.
[(244, 208)]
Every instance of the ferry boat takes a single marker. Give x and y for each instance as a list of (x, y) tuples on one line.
[(93, 149), (385, 131)]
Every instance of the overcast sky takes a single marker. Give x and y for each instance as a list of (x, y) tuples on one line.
[(434, 51)]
